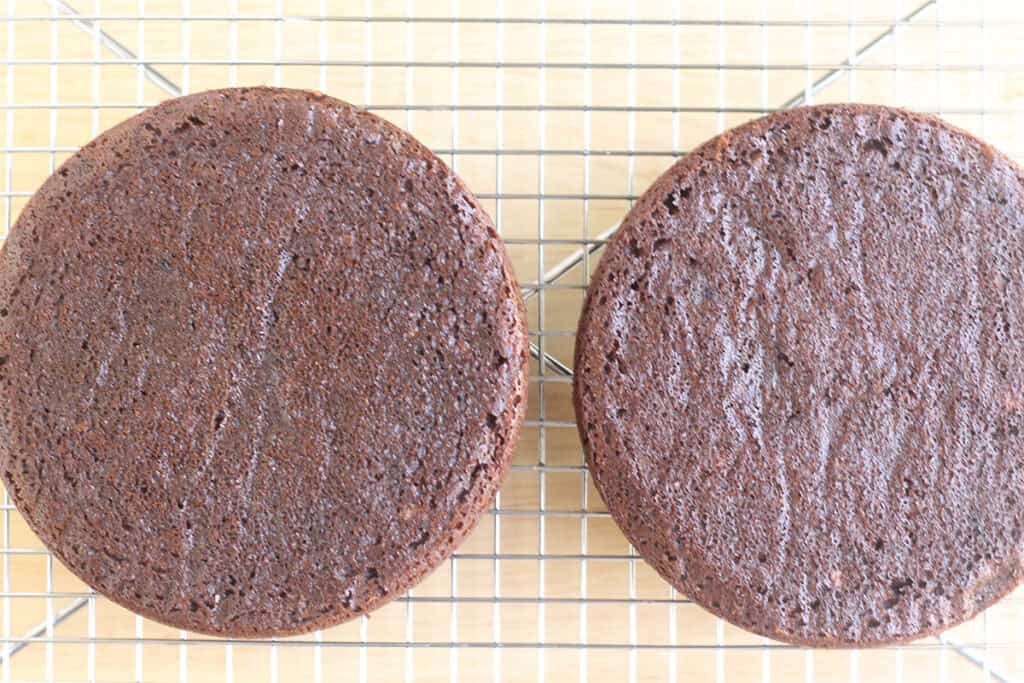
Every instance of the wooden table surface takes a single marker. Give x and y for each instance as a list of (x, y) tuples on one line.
[(556, 154)]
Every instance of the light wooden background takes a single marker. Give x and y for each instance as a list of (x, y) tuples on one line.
[(556, 154)]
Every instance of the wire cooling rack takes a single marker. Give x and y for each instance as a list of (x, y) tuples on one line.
[(558, 115)]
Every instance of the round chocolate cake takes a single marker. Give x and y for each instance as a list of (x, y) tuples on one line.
[(800, 375), (262, 360)]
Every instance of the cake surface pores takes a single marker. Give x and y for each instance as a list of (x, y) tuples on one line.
[(263, 362), (799, 376)]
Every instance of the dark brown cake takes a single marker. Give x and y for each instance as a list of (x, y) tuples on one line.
[(262, 360), (800, 375)]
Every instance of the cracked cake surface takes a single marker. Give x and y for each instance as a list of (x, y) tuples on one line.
[(263, 362), (800, 375)]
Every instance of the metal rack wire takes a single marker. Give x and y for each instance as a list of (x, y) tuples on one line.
[(558, 115)]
